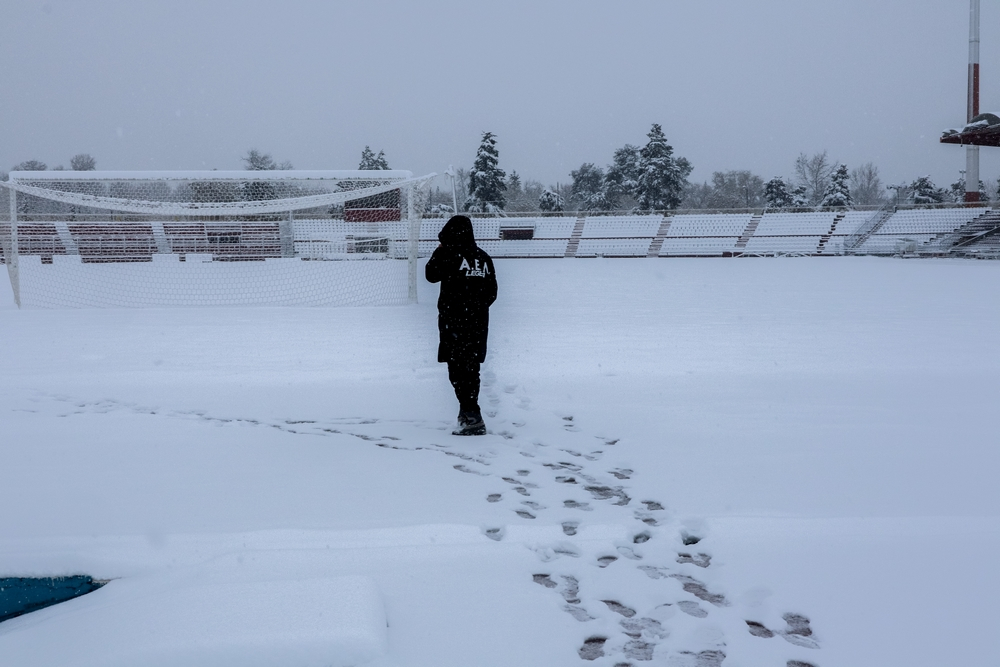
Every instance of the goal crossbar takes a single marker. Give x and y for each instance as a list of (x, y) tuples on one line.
[(115, 238), (247, 207)]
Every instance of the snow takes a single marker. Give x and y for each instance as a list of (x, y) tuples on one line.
[(822, 426), (190, 618), (199, 281)]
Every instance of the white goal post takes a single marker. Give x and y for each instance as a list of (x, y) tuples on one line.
[(211, 238)]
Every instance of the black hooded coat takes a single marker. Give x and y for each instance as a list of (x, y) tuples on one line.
[(468, 288)]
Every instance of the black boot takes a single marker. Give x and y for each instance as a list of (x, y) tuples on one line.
[(470, 423)]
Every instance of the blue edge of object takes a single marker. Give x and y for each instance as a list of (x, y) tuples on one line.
[(21, 595)]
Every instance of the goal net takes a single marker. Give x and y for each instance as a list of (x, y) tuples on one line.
[(211, 238)]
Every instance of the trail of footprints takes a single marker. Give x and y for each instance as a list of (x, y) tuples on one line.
[(640, 631), (571, 470)]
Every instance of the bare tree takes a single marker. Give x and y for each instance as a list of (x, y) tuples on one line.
[(30, 165), (737, 189), (461, 184), (697, 196), (814, 173), (866, 186), (82, 162), (255, 160)]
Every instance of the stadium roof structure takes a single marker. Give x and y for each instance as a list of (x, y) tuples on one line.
[(982, 130)]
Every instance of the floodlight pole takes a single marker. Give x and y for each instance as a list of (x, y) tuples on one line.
[(972, 152), (454, 196)]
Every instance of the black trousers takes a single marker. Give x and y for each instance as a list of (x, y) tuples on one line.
[(464, 376)]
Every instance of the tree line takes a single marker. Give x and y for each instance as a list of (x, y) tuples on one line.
[(652, 178), (641, 179)]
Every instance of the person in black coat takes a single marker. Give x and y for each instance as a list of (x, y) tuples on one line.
[(468, 288)]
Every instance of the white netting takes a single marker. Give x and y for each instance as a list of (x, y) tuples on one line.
[(120, 239)]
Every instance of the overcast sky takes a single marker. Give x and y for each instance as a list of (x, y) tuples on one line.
[(736, 84)]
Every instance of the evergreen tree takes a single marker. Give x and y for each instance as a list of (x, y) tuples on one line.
[(838, 193), (371, 161), (550, 201), (662, 177), (622, 176), (777, 195), (514, 185), (82, 162), (956, 192), (925, 192), (516, 199), (589, 188), (486, 180)]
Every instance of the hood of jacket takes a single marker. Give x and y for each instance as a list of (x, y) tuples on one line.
[(457, 233)]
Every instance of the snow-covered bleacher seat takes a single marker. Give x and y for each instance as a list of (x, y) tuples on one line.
[(795, 224), (487, 228), (621, 247), (725, 224), (552, 228), (621, 227), (524, 247), (922, 221), (851, 222)]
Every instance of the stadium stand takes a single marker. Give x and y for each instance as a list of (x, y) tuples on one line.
[(958, 231)]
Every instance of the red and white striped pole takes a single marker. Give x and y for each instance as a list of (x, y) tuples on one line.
[(972, 152)]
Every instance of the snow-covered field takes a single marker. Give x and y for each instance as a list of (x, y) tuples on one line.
[(277, 486)]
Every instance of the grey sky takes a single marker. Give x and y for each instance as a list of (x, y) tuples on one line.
[(736, 84)]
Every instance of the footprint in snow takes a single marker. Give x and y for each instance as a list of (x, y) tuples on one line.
[(619, 608), (608, 492), (646, 518), (698, 589), (463, 468), (563, 465), (692, 608), (700, 559), (495, 534), (593, 648), (629, 553), (798, 631), (574, 505)]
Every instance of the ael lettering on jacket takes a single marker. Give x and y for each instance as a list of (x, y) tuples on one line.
[(480, 272)]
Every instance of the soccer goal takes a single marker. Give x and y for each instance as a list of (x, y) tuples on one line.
[(211, 238)]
